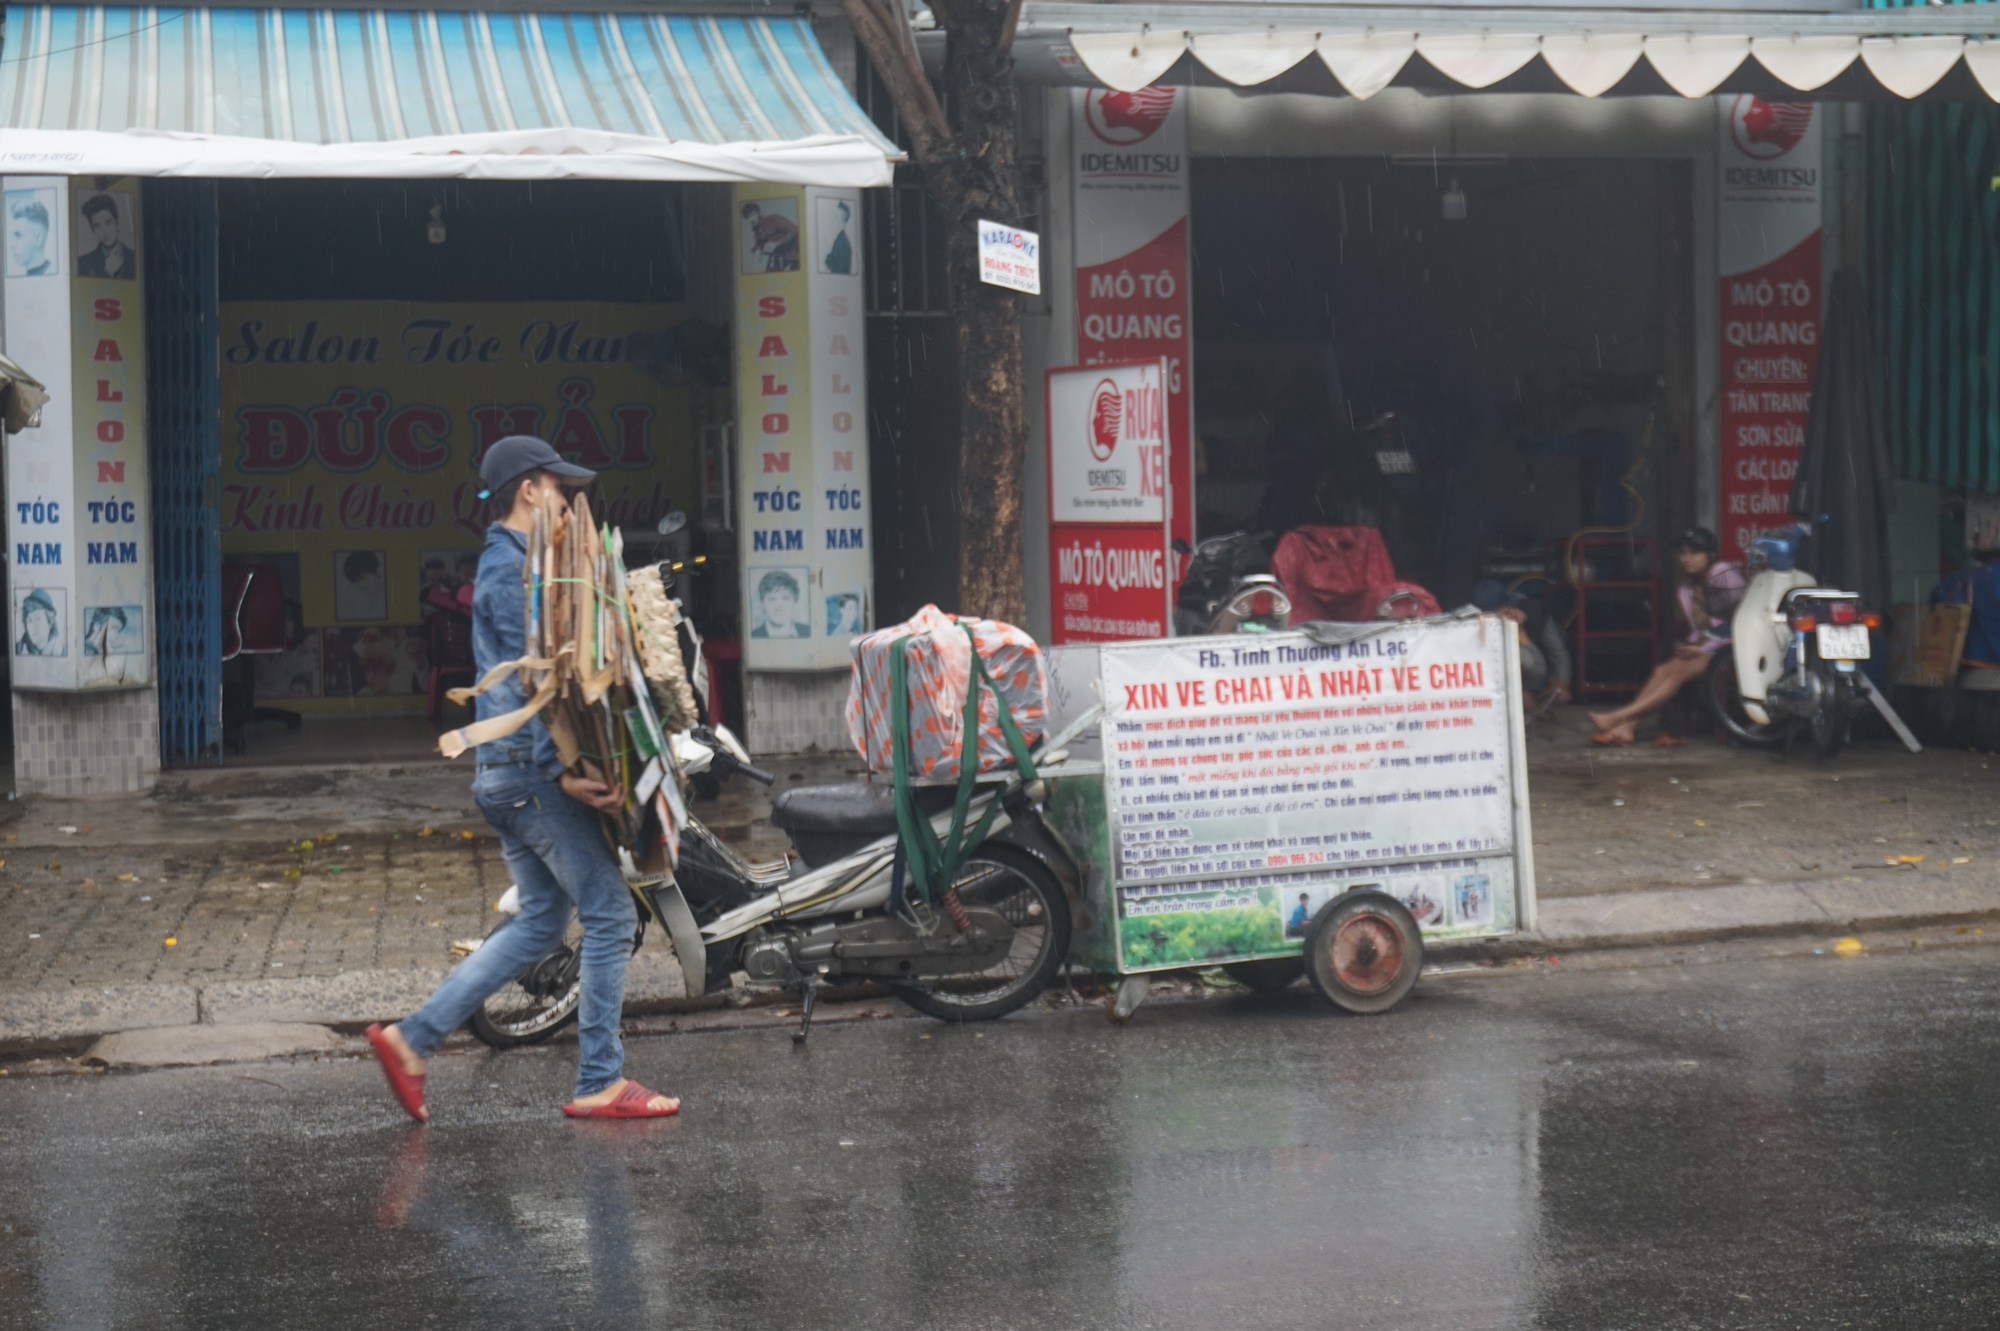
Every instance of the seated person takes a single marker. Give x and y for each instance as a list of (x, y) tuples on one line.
[(1709, 590), (1545, 662), (1978, 587), (442, 593)]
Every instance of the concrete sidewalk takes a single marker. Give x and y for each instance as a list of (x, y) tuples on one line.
[(333, 896)]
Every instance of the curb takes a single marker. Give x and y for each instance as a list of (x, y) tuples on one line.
[(1681, 916), (68, 1020)]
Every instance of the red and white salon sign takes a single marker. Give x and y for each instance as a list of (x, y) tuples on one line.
[(1109, 497), (1130, 174), (1768, 251)]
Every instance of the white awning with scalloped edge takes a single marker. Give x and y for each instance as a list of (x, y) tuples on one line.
[(1128, 47)]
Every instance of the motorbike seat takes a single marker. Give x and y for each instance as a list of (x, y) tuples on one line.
[(829, 822), (854, 809)]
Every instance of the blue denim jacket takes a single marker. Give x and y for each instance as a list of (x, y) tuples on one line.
[(499, 635)]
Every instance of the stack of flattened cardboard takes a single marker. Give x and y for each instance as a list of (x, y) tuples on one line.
[(582, 672)]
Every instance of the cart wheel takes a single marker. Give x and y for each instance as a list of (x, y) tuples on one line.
[(1266, 977), (1363, 952)]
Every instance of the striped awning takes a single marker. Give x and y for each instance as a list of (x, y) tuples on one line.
[(1591, 49), (112, 90)]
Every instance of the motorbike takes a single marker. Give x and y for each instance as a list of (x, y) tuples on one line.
[(1228, 588), (1793, 668), (839, 907)]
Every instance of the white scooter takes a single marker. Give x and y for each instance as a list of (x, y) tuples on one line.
[(1796, 651)]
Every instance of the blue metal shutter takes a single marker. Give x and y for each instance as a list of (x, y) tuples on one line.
[(183, 418)]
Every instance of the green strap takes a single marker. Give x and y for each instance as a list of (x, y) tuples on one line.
[(932, 860)]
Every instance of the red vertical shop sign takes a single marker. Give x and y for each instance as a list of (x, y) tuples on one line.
[(1768, 252), (1109, 496), (1131, 193)]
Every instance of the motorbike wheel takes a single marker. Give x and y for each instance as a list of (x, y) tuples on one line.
[(1266, 977), (1015, 885), (1725, 703), (1364, 953), (537, 1005), (1833, 721)]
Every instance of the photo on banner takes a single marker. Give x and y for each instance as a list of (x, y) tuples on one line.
[(780, 609), (770, 239), (107, 235), (833, 227), (34, 241), (360, 586), (381, 661), (39, 613), (114, 645)]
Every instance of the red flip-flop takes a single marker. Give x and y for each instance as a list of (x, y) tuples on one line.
[(408, 1090), (1606, 739), (628, 1103), (1670, 741)]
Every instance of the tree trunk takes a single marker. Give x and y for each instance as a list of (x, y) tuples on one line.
[(993, 433), (968, 161)]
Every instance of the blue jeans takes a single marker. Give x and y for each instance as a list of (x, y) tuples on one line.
[(559, 859)]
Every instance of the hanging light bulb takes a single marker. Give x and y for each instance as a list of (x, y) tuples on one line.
[(1454, 202), (434, 229)]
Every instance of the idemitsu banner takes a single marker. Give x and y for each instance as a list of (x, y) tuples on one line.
[(1131, 189), (1768, 254)]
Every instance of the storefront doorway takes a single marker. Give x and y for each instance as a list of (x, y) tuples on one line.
[(1465, 353), (374, 338)]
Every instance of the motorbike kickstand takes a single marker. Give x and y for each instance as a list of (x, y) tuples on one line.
[(808, 993)]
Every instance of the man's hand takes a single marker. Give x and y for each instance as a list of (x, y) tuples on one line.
[(603, 798)]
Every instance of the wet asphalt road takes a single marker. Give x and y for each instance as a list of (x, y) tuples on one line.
[(1782, 1143)]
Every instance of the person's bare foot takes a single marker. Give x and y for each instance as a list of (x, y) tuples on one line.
[(659, 1104), (406, 1057), (1602, 720), (1621, 734)]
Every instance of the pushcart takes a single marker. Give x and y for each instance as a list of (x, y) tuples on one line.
[(1324, 800)]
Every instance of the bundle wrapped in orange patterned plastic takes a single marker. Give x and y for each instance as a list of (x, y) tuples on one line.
[(940, 662)]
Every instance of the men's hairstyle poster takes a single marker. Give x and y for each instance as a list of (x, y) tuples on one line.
[(778, 606), (769, 239), (39, 613), (843, 615), (360, 586), (34, 232), (833, 236), (107, 241)]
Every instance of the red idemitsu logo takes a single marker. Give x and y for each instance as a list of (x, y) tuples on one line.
[(1126, 118), (1766, 130), (1107, 411)]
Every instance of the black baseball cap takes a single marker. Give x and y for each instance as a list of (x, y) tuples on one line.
[(518, 454)]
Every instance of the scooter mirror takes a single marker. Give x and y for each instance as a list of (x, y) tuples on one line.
[(672, 523), (731, 743)]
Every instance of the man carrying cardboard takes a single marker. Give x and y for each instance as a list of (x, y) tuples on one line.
[(548, 830)]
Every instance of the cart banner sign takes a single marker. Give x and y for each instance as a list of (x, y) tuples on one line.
[(1250, 779), (1768, 255), (801, 384), (1010, 257), (79, 516), (1130, 176)]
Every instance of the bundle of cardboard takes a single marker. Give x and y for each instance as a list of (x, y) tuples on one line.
[(610, 717)]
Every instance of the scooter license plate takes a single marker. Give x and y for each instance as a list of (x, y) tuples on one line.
[(1843, 642)]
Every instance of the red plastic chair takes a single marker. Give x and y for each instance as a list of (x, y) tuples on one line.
[(448, 636), (254, 621)]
